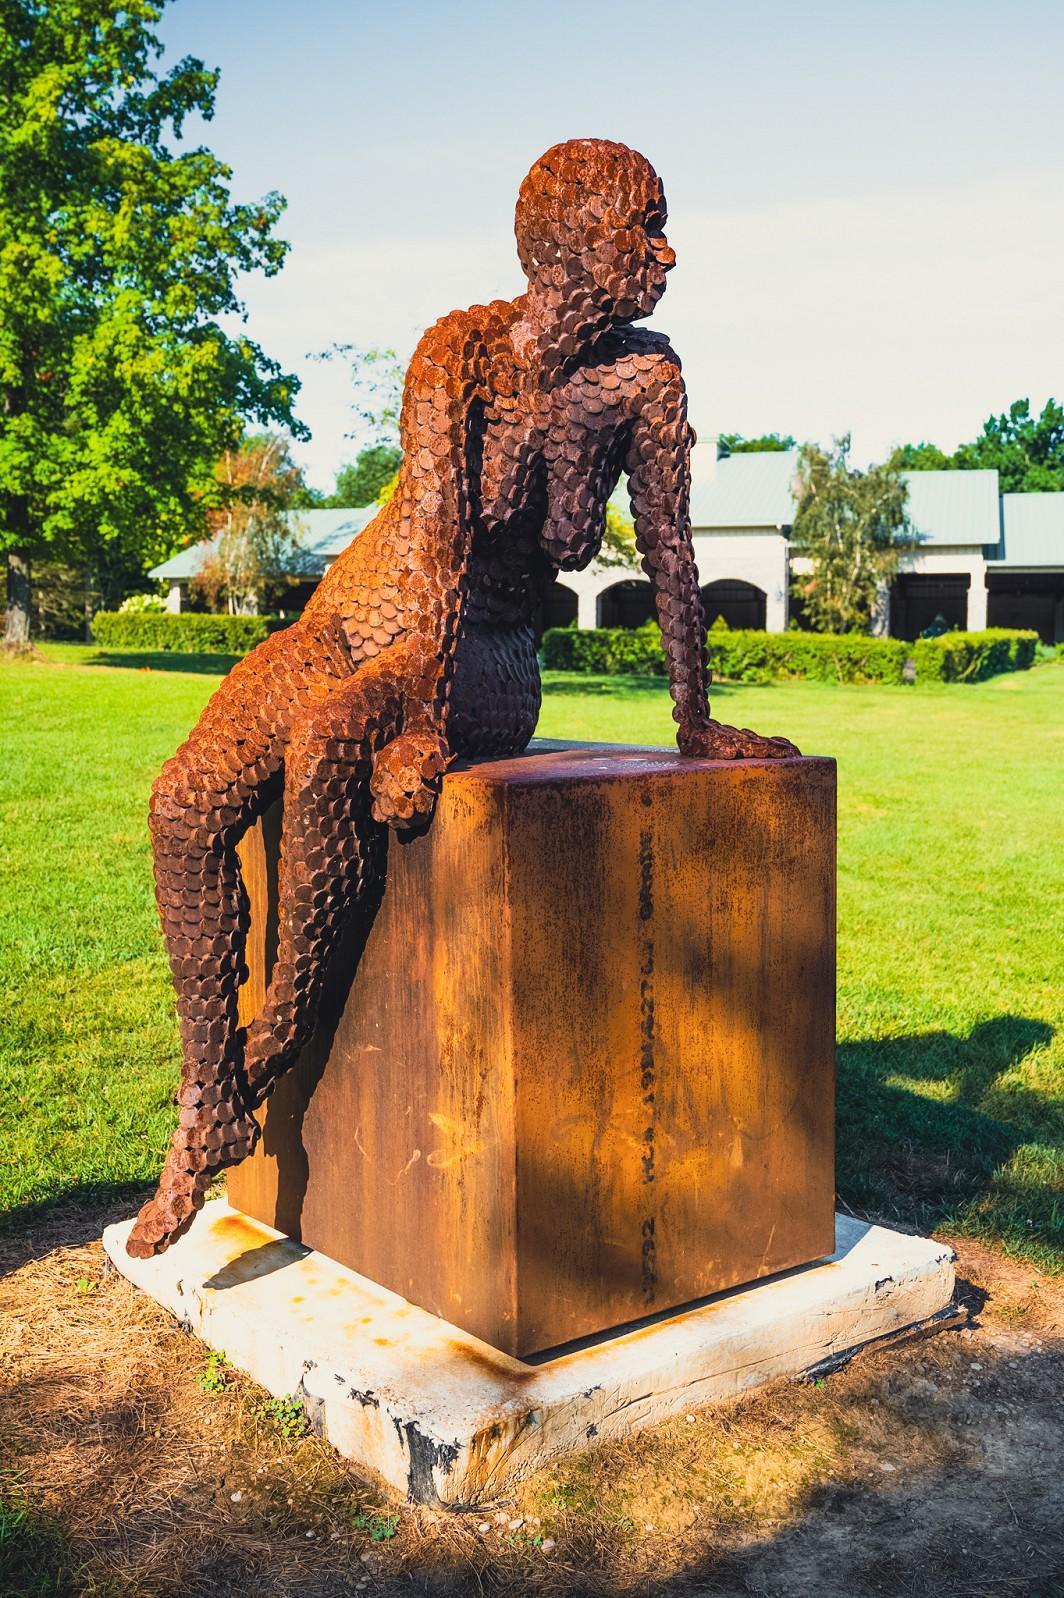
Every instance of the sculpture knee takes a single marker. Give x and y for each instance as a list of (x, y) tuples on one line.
[(185, 809)]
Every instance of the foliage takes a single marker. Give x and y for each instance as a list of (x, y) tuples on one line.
[(972, 657), (381, 1528), (143, 605), (850, 529), (119, 258), (736, 444), (759, 657), (377, 377), (1027, 451), (618, 546), (612, 651), (285, 1416), (60, 593), (255, 538), (188, 633), (361, 480), (214, 1376)]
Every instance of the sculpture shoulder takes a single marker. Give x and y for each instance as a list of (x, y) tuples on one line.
[(637, 349), (638, 361), (459, 340)]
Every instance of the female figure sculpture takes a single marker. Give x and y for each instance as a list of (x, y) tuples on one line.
[(420, 642)]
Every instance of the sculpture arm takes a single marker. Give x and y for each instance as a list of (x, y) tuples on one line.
[(658, 464), (659, 482), (433, 521)]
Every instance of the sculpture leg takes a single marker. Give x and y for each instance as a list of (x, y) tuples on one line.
[(331, 858), (194, 823)]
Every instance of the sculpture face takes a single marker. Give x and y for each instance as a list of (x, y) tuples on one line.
[(590, 230)]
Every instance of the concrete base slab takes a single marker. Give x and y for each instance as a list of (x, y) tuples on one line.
[(444, 1418)]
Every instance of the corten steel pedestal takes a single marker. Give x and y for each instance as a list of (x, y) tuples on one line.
[(584, 1070)]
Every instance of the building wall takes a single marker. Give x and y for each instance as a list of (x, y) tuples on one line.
[(750, 555)]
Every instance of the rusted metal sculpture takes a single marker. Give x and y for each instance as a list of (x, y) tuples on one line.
[(420, 643)]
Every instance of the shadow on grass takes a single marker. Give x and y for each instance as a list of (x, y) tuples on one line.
[(165, 660), (620, 687), (70, 1220), (939, 1159), (36, 1557)]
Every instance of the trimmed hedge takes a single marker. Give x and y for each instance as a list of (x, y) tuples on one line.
[(971, 657), (748, 656), (189, 633)]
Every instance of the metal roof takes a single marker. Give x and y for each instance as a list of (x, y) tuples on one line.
[(752, 489), (323, 534), (1032, 528), (955, 507)]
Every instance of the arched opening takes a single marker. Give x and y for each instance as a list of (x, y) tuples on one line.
[(626, 604), (559, 606), (918, 600), (740, 604)]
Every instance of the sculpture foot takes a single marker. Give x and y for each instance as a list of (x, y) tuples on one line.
[(715, 741), (189, 1172)]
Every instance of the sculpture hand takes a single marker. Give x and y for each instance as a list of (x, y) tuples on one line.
[(406, 778), (715, 741)]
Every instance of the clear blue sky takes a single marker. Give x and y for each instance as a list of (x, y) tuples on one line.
[(867, 199)]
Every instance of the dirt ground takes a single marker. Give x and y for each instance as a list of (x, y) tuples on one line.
[(128, 1467)]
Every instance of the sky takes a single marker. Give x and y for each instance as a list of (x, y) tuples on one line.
[(867, 200)]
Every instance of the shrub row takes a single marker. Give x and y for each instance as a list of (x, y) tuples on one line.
[(189, 633), (970, 657), (747, 656)]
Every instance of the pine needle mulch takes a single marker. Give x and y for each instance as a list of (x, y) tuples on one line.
[(133, 1466)]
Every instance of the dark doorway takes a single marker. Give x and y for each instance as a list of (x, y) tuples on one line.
[(627, 604), (559, 606), (1027, 599), (917, 602), (741, 604)]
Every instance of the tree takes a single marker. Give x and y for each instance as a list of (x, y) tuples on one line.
[(255, 533), (850, 528), (736, 444), (377, 377), (1027, 451), (118, 255), (618, 542), (361, 480)]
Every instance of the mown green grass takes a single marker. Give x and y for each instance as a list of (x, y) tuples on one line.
[(951, 887)]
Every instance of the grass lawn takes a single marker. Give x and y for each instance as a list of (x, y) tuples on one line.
[(951, 879)]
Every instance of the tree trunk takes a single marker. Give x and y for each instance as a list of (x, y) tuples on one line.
[(19, 599)]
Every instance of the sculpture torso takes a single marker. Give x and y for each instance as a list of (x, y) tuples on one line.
[(543, 460)]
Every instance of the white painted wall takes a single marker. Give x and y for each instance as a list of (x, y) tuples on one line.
[(757, 556), (749, 555)]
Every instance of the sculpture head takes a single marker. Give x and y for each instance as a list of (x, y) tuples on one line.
[(590, 230)]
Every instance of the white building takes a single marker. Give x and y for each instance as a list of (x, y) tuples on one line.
[(984, 559)]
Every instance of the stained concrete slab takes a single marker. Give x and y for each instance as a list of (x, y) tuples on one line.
[(441, 1417)]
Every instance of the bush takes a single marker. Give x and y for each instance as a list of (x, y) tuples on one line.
[(143, 605), (605, 651), (189, 634), (748, 656), (821, 657), (971, 657)]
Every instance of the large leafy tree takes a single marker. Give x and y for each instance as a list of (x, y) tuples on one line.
[(1027, 450), (119, 252), (850, 530), (361, 480)]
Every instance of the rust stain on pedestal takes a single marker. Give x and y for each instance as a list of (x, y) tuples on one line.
[(597, 1079)]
